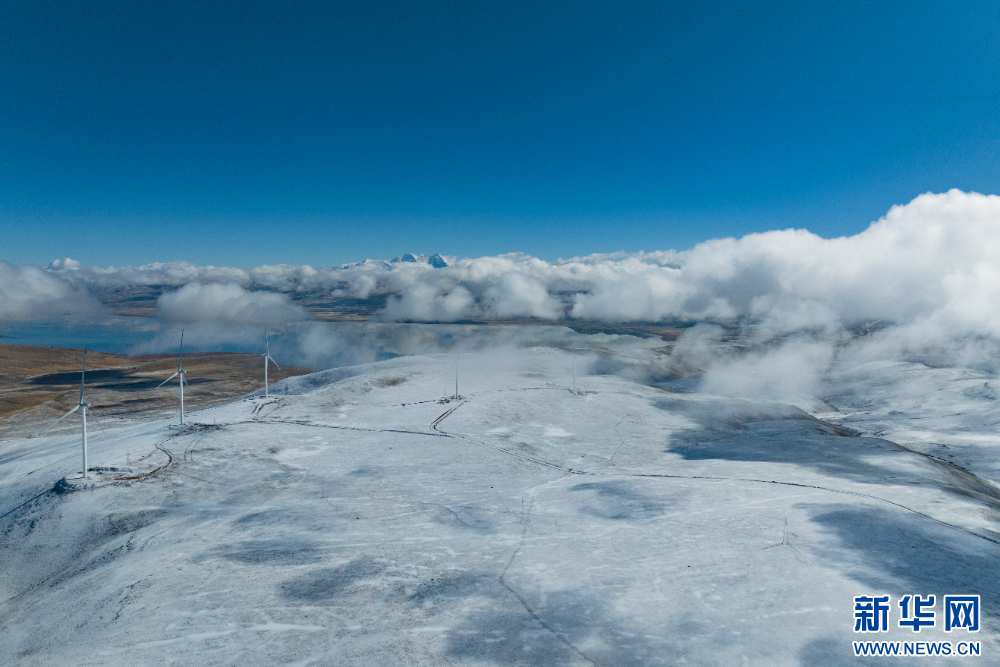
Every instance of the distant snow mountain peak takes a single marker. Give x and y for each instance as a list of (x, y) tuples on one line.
[(436, 260)]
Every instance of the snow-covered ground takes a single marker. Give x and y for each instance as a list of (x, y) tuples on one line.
[(950, 413), (357, 519)]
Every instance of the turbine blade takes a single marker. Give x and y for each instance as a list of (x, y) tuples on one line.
[(180, 356), (53, 425), (94, 416), (273, 362), (164, 382)]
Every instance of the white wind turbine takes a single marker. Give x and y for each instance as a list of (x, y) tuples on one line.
[(180, 372), (267, 358), (574, 350), (83, 414), (574, 369)]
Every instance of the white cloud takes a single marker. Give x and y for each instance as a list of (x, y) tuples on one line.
[(790, 373), (421, 302), (518, 295), (158, 273), (63, 265), (229, 303), (29, 293), (362, 286), (921, 260), (934, 262), (485, 288)]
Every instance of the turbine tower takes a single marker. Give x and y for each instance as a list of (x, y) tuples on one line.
[(180, 372), (267, 358), (574, 369), (83, 413)]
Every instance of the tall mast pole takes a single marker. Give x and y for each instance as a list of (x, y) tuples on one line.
[(83, 414), (574, 371), (180, 371), (85, 473)]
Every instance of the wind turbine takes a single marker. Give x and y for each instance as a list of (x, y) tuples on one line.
[(574, 369), (83, 414), (267, 358), (180, 371), (574, 350)]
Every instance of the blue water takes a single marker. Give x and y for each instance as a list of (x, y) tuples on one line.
[(311, 344), (121, 335), (138, 335)]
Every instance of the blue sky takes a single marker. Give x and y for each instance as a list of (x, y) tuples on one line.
[(264, 132)]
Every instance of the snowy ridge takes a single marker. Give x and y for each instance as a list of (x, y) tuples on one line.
[(361, 517), (303, 384)]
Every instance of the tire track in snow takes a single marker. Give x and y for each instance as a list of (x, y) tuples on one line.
[(347, 428), (525, 519)]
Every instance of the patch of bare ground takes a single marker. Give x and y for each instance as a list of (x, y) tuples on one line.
[(39, 384)]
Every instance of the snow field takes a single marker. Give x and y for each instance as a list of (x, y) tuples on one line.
[(357, 519)]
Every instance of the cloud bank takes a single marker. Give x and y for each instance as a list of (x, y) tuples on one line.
[(29, 293), (228, 303), (934, 262)]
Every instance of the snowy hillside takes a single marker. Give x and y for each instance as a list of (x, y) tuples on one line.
[(361, 518)]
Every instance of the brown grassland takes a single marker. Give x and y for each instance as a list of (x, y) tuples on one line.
[(39, 384)]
